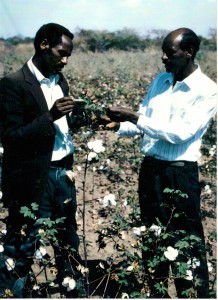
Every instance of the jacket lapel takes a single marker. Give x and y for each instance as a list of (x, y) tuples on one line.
[(35, 89), (63, 84)]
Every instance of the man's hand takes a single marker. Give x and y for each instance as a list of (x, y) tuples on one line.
[(61, 107), (121, 114), (104, 123)]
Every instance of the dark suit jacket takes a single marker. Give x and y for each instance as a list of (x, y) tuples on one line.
[(27, 137)]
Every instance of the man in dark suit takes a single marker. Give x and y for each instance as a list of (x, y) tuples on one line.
[(35, 117)]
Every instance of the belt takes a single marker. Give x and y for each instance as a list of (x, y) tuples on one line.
[(65, 162), (164, 163)]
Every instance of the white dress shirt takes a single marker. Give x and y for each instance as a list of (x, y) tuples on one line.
[(63, 145), (173, 119)]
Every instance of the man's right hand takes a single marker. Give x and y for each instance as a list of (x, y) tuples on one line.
[(104, 123), (61, 107)]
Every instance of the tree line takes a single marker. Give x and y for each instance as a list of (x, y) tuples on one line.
[(126, 40)]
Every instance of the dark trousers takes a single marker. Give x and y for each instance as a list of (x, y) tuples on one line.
[(156, 175), (59, 201)]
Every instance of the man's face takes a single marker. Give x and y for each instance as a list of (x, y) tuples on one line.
[(56, 57), (173, 57)]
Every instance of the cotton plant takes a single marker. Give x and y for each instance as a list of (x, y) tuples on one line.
[(95, 147)]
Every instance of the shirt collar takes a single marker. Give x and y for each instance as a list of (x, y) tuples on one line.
[(40, 77), (192, 78), (188, 80)]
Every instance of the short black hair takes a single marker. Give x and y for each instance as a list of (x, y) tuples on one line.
[(189, 38), (53, 33)]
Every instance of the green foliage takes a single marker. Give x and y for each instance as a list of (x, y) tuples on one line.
[(27, 212)]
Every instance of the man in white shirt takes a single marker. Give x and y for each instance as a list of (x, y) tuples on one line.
[(36, 113), (171, 120)]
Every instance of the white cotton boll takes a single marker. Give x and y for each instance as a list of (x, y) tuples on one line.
[(129, 268), (42, 250), (52, 284), (207, 189), (156, 229), (105, 202), (124, 204), (71, 285), (94, 169), (91, 156), (79, 168), (112, 202), (36, 287), (110, 199), (210, 267), (38, 254), (10, 264), (194, 263), (143, 228), (96, 146), (108, 161), (212, 150), (136, 232), (189, 275), (171, 253), (124, 296), (1, 194), (66, 281), (90, 145), (1, 248)]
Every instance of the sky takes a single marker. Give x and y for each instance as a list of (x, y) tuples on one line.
[(25, 17)]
